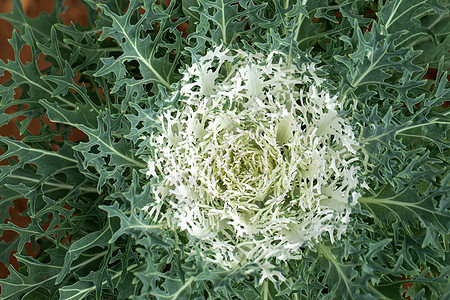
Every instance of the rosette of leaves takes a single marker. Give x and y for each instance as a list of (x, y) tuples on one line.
[(255, 164), (120, 81)]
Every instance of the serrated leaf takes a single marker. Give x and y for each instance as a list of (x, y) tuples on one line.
[(408, 205), (371, 64), (78, 290), (81, 115), (157, 58), (109, 157), (26, 234), (427, 23), (132, 221), (398, 15), (65, 83), (39, 275), (7, 197), (83, 288), (28, 77), (34, 173), (85, 49), (6, 249), (339, 275), (48, 162), (94, 239), (222, 21), (436, 43), (41, 25)]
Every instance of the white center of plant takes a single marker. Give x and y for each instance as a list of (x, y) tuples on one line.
[(256, 164)]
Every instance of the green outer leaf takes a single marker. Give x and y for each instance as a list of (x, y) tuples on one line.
[(81, 115), (48, 162), (339, 275), (93, 239), (28, 77), (6, 249), (407, 205), (78, 290), (399, 15), (228, 17), (137, 199), (41, 26), (427, 23), (36, 168), (65, 83), (40, 275), (153, 67), (83, 288), (7, 196), (369, 65), (112, 157), (26, 234)]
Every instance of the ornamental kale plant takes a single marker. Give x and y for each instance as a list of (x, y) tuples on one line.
[(232, 150)]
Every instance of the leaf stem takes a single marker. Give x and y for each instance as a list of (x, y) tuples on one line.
[(61, 186), (420, 125), (363, 141), (265, 290), (185, 285), (299, 21)]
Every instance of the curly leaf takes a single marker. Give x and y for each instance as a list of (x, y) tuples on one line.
[(372, 62), (132, 221), (93, 239), (29, 78), (109, 157), (222, 21), (411, 204), (41, 26), (157, 57)]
